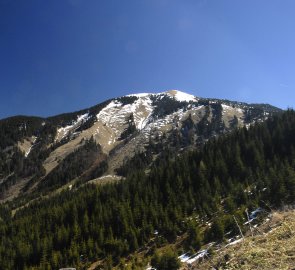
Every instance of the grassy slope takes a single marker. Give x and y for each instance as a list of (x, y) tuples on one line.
[(273, 247)]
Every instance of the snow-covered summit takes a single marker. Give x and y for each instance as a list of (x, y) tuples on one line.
[(176, 94), (181, 96)]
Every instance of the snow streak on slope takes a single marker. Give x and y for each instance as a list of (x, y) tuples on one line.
[(64, 131), (34, 138)]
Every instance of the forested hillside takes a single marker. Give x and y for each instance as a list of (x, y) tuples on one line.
[(35, 153), (248, 168)]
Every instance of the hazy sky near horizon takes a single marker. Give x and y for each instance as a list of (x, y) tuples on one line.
[(64, 55)]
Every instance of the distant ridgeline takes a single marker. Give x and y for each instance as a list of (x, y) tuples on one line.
[(251, 166)]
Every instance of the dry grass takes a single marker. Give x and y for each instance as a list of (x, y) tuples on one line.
[(13, 191), (26, 144), (272, 249), (105, 180)]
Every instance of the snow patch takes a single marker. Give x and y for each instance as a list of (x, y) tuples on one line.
[(181, 96), (254, 213), (225, 107), (82, 117), (139, 95), (197, 256), (110, 176), (184, 257), (234, 242), (150, 268), (239, 110), (189, 259), (249, 221)]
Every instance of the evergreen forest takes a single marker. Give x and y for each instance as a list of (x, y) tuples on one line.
[(247, 168)]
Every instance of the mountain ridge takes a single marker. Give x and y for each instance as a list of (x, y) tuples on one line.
[(77, 111), (122, 127)]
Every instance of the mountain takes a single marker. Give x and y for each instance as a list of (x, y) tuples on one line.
[(187, 191), (43, 154)]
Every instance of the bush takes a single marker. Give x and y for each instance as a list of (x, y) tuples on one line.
[(167, 261)]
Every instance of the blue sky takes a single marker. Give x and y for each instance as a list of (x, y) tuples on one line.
[(63, 55)]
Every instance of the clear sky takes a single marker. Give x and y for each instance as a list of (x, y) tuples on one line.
[(63, 55)]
